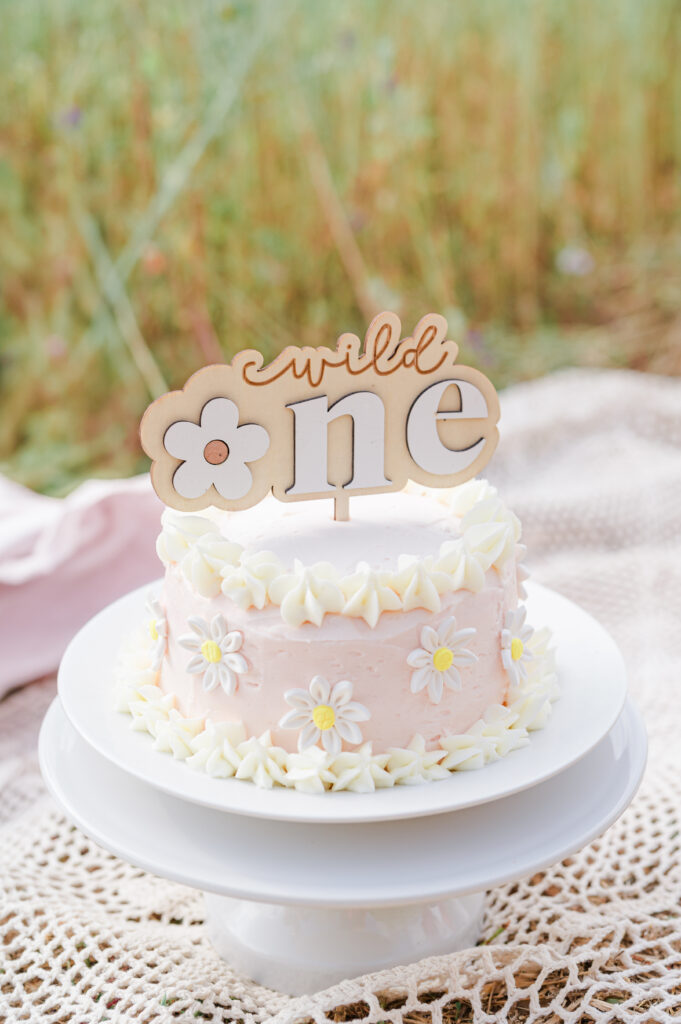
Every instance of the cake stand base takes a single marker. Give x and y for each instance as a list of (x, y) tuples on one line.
[(299, 906), (305, 949)]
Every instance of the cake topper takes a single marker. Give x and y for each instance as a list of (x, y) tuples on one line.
[(324, 423)]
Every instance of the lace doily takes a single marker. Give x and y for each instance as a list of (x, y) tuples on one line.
[(591, 463)]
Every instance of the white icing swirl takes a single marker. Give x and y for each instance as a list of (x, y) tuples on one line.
[(360, 771), (489, 537), (461, 565), (247, 584), (179, 533), (175, 734), (414, 764), (206, 560), (261, 762), (367, 594), (306, 595), (461, 499), (493, 510), (419, 584), (309, 771), (215, 749)]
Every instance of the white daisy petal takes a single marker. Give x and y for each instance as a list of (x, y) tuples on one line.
[(429, 639), (236, 662), (452, 678), (446, 631), (341, 693), (210, 678), (299, 699), (192, 643), (419, 658), (435, 687), (197, 664), (294, 720), (308, 736), (420, 679), (348, 731), (218, 628), (320, 690), (232, 642), (460, 636), (228, 680), (331, 741), (355, 712), (199, 626)]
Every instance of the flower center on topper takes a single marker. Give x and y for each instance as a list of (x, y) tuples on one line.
[(360, 419), (216, 452)]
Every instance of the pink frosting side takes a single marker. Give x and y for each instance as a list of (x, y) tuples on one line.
[(281, 658)]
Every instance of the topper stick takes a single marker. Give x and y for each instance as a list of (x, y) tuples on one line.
[(341, 507)]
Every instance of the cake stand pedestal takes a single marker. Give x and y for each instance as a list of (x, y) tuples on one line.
[(305, 949), (299, 906)]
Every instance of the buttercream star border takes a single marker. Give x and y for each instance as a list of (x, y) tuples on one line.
[(213, 564)]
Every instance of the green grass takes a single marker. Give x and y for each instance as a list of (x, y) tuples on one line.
[(178, 181)]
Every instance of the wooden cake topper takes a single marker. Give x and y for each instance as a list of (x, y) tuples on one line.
[(319, 423)]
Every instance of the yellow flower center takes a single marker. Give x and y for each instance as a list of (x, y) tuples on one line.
[(211, 651), (152, 630), (442, 659), (517, 648), (324, 717)]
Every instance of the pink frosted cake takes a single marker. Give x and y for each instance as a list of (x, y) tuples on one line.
[(289, 649)]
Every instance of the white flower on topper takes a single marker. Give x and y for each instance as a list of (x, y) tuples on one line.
[(515, 645), (215, 451), (216, 656), (438, 659), (325, 714)]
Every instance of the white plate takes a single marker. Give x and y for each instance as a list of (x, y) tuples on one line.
[(593, 690), (369, 865)]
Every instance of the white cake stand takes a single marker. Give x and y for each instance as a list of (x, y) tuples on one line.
[(300, 906)]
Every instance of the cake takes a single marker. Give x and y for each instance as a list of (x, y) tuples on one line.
[(289, 649)]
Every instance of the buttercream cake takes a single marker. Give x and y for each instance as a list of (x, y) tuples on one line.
[(290, 649)]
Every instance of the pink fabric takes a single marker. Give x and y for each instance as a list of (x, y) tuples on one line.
[(62, 559)]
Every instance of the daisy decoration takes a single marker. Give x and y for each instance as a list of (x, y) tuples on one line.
[(216, 655), (515, 651), (326, 714), (438, 660)]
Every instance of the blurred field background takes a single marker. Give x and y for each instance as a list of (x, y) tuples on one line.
[(180, 180)]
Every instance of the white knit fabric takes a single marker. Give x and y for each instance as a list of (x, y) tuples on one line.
[(592, 464)]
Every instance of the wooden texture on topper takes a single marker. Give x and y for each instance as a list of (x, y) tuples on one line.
[(397, 370)]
